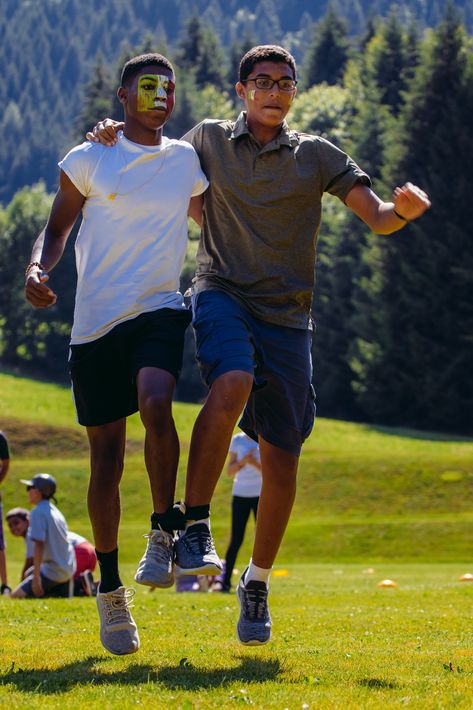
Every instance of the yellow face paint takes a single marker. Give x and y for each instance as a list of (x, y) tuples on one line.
[(153, 91), (251, 95)]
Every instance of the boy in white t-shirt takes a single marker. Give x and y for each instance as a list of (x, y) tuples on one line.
[(129, 318)]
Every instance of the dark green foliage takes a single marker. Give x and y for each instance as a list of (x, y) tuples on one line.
[(35, 340), (415, 359), (339, 249), (237, 51), (326, 57), (394, 314), (389, 62), (48, 51), (98, 99), (199, 52)]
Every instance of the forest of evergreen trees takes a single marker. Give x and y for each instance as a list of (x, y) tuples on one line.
[(393, 87)]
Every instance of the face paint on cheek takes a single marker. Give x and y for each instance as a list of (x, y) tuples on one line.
[(153, 92), (251, 94)]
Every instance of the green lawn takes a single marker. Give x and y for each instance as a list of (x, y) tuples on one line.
[(339, 642), (363, 492), (372, 504)]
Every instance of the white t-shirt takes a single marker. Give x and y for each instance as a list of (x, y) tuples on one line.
[(47, 524), (247, 482), (130, 249)]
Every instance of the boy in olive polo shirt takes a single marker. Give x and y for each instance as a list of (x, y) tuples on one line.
[(252, 304)]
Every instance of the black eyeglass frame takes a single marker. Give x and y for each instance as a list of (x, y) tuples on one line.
[(274, 81)]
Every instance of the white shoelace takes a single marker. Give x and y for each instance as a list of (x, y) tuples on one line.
[(159, 545), (117, 606)]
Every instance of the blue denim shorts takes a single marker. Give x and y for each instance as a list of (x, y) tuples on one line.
[(281, 406)]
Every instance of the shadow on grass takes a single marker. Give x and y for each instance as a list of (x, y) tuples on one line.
[(378, 684), (185, 676), (182, 676), (85, 672)]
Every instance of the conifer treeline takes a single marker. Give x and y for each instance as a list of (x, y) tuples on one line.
[(48, 51), (394, 315)]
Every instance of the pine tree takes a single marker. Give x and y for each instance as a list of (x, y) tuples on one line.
[(199, 52), (344, 241), (325, 59), (98, 99), (415, 360), (267, 22), (386, 61), (237, 51), (211, 64)]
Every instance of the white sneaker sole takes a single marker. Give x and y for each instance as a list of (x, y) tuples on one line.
[(206, 570)]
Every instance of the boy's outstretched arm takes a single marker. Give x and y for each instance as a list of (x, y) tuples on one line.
[(409, 202), (49, 246)]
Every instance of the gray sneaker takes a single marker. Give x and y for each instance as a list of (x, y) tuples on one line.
[(195, 552), (118, 632), (254, 625), (156, 565)]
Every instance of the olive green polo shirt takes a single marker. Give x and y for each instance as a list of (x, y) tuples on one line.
[(262, 214)]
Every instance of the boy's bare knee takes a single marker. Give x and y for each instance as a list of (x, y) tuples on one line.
[(232, 390), (155, 411)]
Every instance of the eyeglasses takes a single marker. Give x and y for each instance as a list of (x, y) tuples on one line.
[(265, 83)]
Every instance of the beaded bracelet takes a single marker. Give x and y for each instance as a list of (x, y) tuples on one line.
[(32, 264)]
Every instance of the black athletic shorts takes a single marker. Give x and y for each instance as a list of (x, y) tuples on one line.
[(103, 372)]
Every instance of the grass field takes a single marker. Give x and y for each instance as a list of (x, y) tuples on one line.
[(371, 504)]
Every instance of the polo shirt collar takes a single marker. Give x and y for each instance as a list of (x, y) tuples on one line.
[(285, 137)]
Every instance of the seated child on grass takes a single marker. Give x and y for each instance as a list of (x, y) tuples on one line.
[(54, 561)]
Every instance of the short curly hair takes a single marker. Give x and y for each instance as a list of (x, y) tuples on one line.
[(265, 53), (133, 65)]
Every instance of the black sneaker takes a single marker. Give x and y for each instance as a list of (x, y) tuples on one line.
[(254, 625), (5, 589)]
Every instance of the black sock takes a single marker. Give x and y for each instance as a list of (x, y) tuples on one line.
[(109, 576), (198, 512), (172, 519)]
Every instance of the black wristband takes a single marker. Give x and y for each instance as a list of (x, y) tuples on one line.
[(400, 216)]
